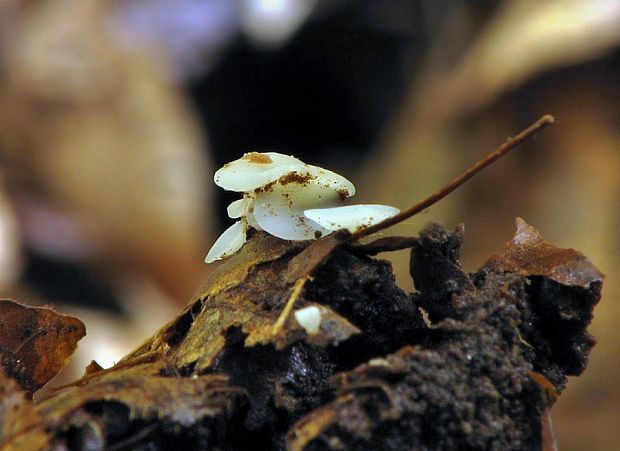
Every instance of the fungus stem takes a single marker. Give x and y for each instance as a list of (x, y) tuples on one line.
[(502, 150)]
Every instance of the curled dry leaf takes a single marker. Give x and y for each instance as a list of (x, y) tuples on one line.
[(147, 396), (248, 291), (529, 254), (564, 286), (118, 409), (35, 343)]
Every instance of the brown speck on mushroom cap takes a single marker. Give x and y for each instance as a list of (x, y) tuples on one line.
[(265, 189), (295, 177), (343, 194), (258, 158)]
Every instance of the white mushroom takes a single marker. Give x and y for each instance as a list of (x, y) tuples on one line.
[(229, 242), (239, 208), (278, 188), (289, 199), (255, 170), (309, 318), (280, 210), (350, 217), (243, 208)]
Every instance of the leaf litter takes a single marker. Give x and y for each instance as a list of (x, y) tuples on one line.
[(467, 361)]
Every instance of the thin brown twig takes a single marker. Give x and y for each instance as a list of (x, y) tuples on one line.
[(502, 150)]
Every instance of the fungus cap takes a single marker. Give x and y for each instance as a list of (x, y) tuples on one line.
[(280, 210), (229, 242), (288, 199), (256, 170), (350, 217), (239, 208)]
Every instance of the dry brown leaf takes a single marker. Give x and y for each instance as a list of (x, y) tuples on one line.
[(180, 400), (35, 343), (143, 397), (386, 244), (529, 254), (248, 291)]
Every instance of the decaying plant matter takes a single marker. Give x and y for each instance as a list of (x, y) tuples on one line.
[(235, 370)]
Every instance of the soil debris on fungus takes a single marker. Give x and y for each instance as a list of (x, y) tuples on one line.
[(311, 345)]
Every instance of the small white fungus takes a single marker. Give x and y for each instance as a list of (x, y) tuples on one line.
[(229, 242), (288, 199), (239, 208), (309, 318), (255, 170), (351, 217), (280, 211)]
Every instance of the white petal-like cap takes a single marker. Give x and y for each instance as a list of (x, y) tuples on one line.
[(255, 170), (350, 217), (239, 208), (309, 318), (280, 210), (330, 179), (229, 242), (278, 192)]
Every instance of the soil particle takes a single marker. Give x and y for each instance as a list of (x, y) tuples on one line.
[(295, 177), (258, 158)]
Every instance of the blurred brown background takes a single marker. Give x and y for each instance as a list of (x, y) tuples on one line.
[(114, 114)]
